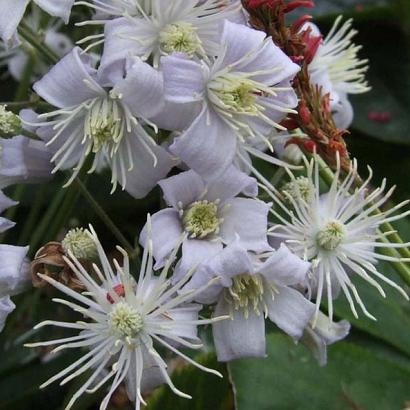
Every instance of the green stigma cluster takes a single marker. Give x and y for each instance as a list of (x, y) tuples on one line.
[(80, 244), (10, 123)]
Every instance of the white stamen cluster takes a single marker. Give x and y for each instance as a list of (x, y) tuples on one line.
[(80, 244), (10, 123)]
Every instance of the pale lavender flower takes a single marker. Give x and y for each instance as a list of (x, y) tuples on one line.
[(240, 97), (23, 160), (251, 289), (105, 121), (125, 323), (211, 215), (12, 12)]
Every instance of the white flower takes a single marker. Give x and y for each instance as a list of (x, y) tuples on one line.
[(125, 319), (189, 26), (338, 69), (339, 233)]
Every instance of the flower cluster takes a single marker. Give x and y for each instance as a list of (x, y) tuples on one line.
[(205, 99)]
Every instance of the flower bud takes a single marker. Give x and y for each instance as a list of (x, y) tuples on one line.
[(10, 123), (80, 243)]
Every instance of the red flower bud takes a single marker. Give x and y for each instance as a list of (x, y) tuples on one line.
[(119, 290), (300, 22), (304, 113), (310, 146)]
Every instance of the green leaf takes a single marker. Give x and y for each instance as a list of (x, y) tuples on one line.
[(355, 378), (209, 392)]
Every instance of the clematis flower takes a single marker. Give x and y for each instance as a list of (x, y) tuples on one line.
[(337, 68), (249, 290), (106, 122), (240, 98), (211, 215), (163, 27), (12, 13), (125, 323), (23, 160), (338, 232)]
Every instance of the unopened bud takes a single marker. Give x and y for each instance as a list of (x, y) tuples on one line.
[(10, 123), (80, 243)]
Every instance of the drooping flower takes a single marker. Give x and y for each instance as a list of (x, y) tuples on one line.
[(250, 290), (14, 277), (240, 98), (12, 13), (127, 320), (23, 160), (211, 215), (337, 68), (339, 233), (104, 121), (163, 27), (5, 203), (323, 333)]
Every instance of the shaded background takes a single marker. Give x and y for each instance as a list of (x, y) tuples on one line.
[(370, 370)]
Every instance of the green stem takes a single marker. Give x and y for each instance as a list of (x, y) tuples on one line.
[(33, 39), (105, 218), (25, 82), (16, 106), (33, 216)]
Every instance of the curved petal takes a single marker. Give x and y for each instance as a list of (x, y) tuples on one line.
[(184, 80), (5, 202), (182, 189), (284, 268), (11, 14), (57, 8), (166, 231), (142, 89), (343, 112), (230, 184), (194, 253), (6, 307), (196, 146), (121, 41), (290, 311), (145, 172), (238, 337), (246, 220), (70, 82), (13, 270), (185, 316), (5, 224)]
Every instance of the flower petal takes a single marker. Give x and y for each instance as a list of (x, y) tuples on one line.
[(69, 82), (6, 307), (290, 311), (57, 8), (184, 80), (13, 269), (184, 188), (166, 231), (11, 14), (196, 146), (284, 268), (247, 220), (238, 337)]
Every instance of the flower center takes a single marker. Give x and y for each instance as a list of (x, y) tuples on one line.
[(180, 37), (125, 320), (104, 123), (331, 236), (200, 219), (10, 123), (246, 293), (236, 94)]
